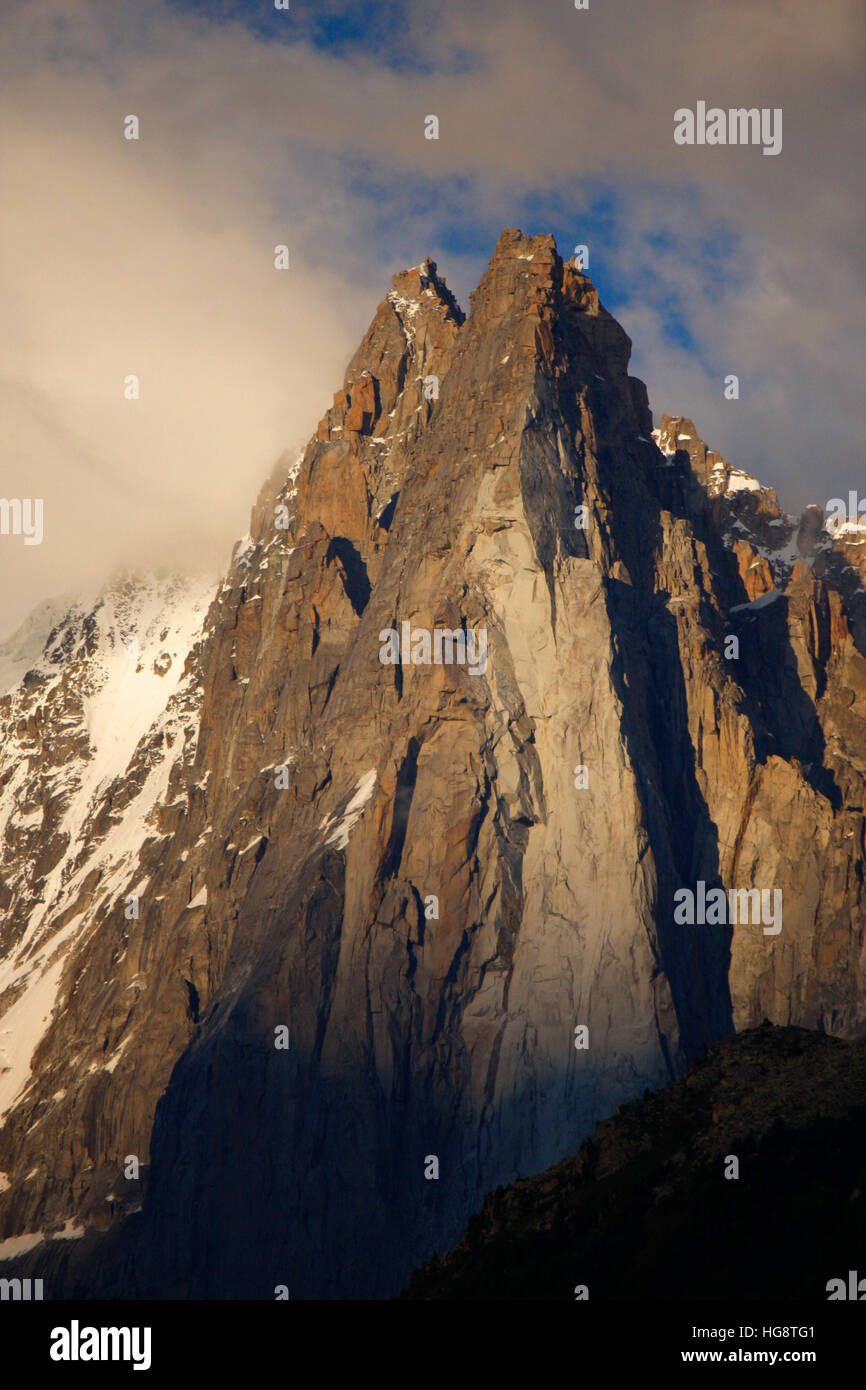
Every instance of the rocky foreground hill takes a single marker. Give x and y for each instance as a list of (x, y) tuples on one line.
[(747, 1179), (376, 933)]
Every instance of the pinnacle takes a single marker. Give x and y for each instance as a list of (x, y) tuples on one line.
[(514, 245), (423, 284)]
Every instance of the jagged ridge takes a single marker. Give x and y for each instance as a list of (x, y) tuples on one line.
[(306, 904)]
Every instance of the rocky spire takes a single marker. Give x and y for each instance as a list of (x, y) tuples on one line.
[(442, 877)]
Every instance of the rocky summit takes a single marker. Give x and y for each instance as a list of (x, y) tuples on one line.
[(376, 910)]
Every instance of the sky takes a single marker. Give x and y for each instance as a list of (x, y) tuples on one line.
[(305, 127)]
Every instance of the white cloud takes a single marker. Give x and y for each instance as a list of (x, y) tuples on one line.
[(155, 257)]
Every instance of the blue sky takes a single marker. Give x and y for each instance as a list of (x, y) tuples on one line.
[(375, 27), (459, 230), (379, 28)]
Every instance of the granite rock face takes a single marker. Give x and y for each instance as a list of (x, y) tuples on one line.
[(437, 880)]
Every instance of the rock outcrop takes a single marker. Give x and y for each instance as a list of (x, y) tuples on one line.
[(744, 1180), (450, 885)]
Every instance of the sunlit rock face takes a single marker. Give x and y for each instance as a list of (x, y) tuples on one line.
[(448, 885)]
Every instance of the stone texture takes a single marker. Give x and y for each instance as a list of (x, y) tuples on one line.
[(414, 1035)]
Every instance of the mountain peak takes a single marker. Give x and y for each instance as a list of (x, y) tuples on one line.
[(524, 245), (423, 283), (437, 871)]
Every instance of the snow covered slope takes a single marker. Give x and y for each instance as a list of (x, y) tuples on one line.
[(96, 707)]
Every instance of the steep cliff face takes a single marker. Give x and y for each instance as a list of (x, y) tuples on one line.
[(432, 873)]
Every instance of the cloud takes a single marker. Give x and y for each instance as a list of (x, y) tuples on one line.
[(155, 257)]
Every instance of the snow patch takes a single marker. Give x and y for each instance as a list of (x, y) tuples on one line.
[(19, 1245), (855, 527), (740, 481), (339, 833), (21, 1029), (763, 601)]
